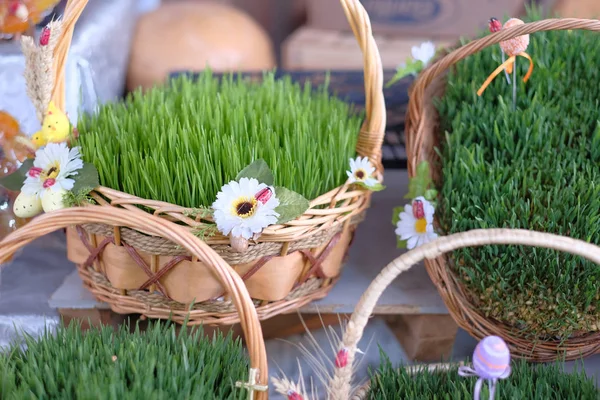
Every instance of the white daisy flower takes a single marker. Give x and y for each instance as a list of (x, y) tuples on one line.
[(245, 208), (416, 223), (424, 52), (361, 170), (52, 168)]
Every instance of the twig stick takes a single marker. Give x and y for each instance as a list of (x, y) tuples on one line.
[(515, 84), (503, 61)]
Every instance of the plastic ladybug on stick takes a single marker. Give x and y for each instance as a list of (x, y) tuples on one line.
[(512, 48)]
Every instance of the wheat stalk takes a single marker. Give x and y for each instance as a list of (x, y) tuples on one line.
[(46, 60), (31, 53), (320, 363)]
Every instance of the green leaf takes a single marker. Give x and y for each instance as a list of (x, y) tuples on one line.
[(431, 195), (14, 181), (291, 204), (418, 184), (396, 216), (411, 67), (378, 187), (258, 170), (86, 179), (401, 244)]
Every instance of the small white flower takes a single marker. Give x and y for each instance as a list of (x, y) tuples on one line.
[(361, 170), (424, 52), (416, 223), (52, 168), (240, 211)]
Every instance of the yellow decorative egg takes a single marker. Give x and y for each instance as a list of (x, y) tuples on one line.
[(27, 206), (53, 200)]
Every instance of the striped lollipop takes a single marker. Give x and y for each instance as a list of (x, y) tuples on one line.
[(491, 359)]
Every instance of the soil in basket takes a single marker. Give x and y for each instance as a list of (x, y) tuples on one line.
[(535, 168)]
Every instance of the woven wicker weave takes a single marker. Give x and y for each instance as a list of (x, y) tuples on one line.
[(230, 280), (136, 271), (421, 137), (340, 387)]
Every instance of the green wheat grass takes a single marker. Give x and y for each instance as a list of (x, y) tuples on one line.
[(104, 363), (182, 142), (534, 168)]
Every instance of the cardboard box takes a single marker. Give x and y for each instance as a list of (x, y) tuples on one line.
[(309, 48), (578, 8), (425, 18)]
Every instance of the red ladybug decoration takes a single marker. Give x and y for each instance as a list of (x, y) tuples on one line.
[(341, 360), (264, 195), (418, 209), (494, 25), (45, 36), (294, 396)]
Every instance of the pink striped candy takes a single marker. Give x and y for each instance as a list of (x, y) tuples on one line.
[(491, 358)]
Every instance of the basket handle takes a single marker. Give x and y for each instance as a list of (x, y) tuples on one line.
[(73, 10), (370, 138), (340, 384), (231, 281), (415, 120)]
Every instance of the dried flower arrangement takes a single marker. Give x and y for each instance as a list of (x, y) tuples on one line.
[(56, 172)]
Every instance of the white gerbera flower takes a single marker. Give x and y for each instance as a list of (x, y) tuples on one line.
[(52, 168), (416, 223), (424, 52), (361, 170), (245, 208)]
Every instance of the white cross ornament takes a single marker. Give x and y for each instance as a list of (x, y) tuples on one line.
[(251, 386)]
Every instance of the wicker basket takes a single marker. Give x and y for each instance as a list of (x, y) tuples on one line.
[(226, 276), (136, 271), (340, 387), (422, 135)]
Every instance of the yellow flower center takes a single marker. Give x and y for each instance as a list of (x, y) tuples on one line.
[(360, 174), (52, 172), (245, 207), (421, 225)]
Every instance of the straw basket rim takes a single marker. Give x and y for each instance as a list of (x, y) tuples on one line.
[(421, 137)]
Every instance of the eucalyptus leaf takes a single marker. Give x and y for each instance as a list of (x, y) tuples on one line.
[(258, 170), (86, 179), (291, 204), (14, 181)]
